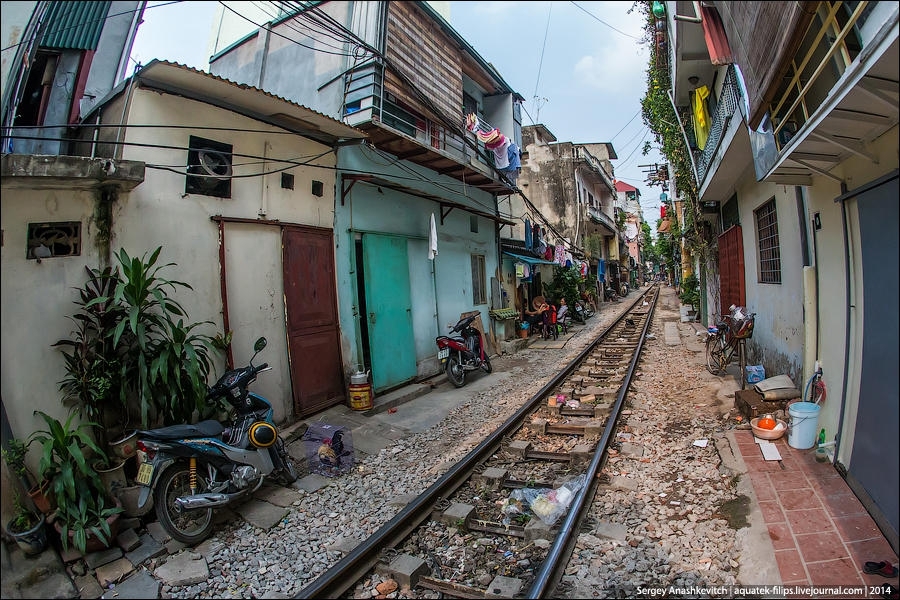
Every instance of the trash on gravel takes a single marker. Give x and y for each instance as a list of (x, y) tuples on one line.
[(546, 504), (701, 443)]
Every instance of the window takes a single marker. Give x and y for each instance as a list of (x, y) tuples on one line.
[(209, 168), (473, 223), (767, 240), (46, 240), (479, 288)]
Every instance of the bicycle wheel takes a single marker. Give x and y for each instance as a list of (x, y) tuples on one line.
[(715, 356)]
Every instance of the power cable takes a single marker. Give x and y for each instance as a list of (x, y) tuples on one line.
[(541, 62), (605, 23), (82, 24)]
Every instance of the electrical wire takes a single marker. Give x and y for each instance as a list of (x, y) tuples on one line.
[(543, 48), (605, 23), (84, 23)]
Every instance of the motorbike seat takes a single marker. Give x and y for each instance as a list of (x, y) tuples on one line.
[(208, 428)]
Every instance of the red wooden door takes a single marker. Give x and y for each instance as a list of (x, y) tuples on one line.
[(731, 270), (317, 374)]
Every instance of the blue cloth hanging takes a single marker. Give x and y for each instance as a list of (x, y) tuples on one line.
[(528, 238)]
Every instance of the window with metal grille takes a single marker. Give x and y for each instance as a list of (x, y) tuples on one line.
[(46, 240), (479, 286), (767, 240)]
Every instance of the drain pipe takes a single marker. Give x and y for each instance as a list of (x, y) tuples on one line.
[(846, 374)]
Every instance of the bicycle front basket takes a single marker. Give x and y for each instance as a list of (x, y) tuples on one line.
[(743, 329)]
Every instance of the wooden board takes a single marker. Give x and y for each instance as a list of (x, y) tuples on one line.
[(752, 405)]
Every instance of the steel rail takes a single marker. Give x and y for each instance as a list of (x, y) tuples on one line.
[(551, 571), (350, 569)]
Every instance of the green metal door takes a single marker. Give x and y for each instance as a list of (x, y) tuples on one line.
[(388, 310)]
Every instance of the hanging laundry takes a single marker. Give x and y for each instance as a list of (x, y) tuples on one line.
[(520, 270), (432, 240), (701, 116), (529, 244), (560, 255), (514, 158), (501, 154)]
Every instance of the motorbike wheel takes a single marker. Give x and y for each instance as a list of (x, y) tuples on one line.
[(455, 372), (191, 526), (486, 365), (288, 472)]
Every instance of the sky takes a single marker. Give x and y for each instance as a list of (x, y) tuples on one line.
[(579, 65)]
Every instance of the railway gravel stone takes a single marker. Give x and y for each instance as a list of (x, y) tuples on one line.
[(663, 505)]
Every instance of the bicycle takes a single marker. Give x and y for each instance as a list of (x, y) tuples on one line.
[(727, 341)]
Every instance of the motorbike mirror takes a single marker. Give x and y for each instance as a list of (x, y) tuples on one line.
[(260, 344)]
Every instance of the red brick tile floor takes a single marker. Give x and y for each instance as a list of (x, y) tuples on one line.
[(820, 531)]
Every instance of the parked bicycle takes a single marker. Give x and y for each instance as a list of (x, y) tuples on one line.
[(727, 342)]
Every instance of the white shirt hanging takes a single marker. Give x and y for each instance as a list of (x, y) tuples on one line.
[(432, 240)]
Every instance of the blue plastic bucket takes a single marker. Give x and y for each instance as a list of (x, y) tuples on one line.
[(804, 419)]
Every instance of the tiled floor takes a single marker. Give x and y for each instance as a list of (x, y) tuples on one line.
[(820, 531)]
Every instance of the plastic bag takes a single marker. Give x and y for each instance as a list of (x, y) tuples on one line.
[(546, 504)]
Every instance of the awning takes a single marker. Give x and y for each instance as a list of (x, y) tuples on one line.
[(530, 259)]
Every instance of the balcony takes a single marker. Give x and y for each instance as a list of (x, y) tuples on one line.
[(581, 154), (728, 102), (601, 218), (402, 131)]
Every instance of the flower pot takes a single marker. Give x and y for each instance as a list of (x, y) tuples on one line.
[(125, 447), (33, 541), (94, 544), (42, 501), (112, 476), (129, 496)]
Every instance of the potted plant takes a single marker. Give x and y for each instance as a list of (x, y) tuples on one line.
[(85, 512), (14, 455), (27, 528), (132, 357)]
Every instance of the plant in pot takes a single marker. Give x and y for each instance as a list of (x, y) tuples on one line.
[(86, 516), (27, 528), (14, 455)]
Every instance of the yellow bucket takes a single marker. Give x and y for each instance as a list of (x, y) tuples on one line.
[(361, 397)]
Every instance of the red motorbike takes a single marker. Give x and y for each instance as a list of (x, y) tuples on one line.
[(462, 350)]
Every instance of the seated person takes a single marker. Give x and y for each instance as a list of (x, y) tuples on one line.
[(536, 317), (562, 310), (549, 322)]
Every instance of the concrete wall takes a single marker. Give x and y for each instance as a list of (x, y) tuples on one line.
[(777, 341), (15, 19), (444, 292), (271, 61), (159, 212), (856, 171), (38, 297)]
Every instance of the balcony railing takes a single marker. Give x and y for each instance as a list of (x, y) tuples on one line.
[(365, 92), (583, 155), (727, 103), (601, 217)]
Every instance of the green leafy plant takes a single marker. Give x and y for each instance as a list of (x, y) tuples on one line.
[(690, 291), (14, 455), (97, 377), (81, 498), (132, 355), (23, 518), (567, 282)]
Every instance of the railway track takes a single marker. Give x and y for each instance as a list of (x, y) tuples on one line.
[(510, 511)]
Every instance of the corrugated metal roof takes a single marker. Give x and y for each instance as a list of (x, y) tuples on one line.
[(74, 25), (244, 99)]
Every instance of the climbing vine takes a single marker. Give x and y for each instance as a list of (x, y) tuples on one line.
[(659, 116)]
